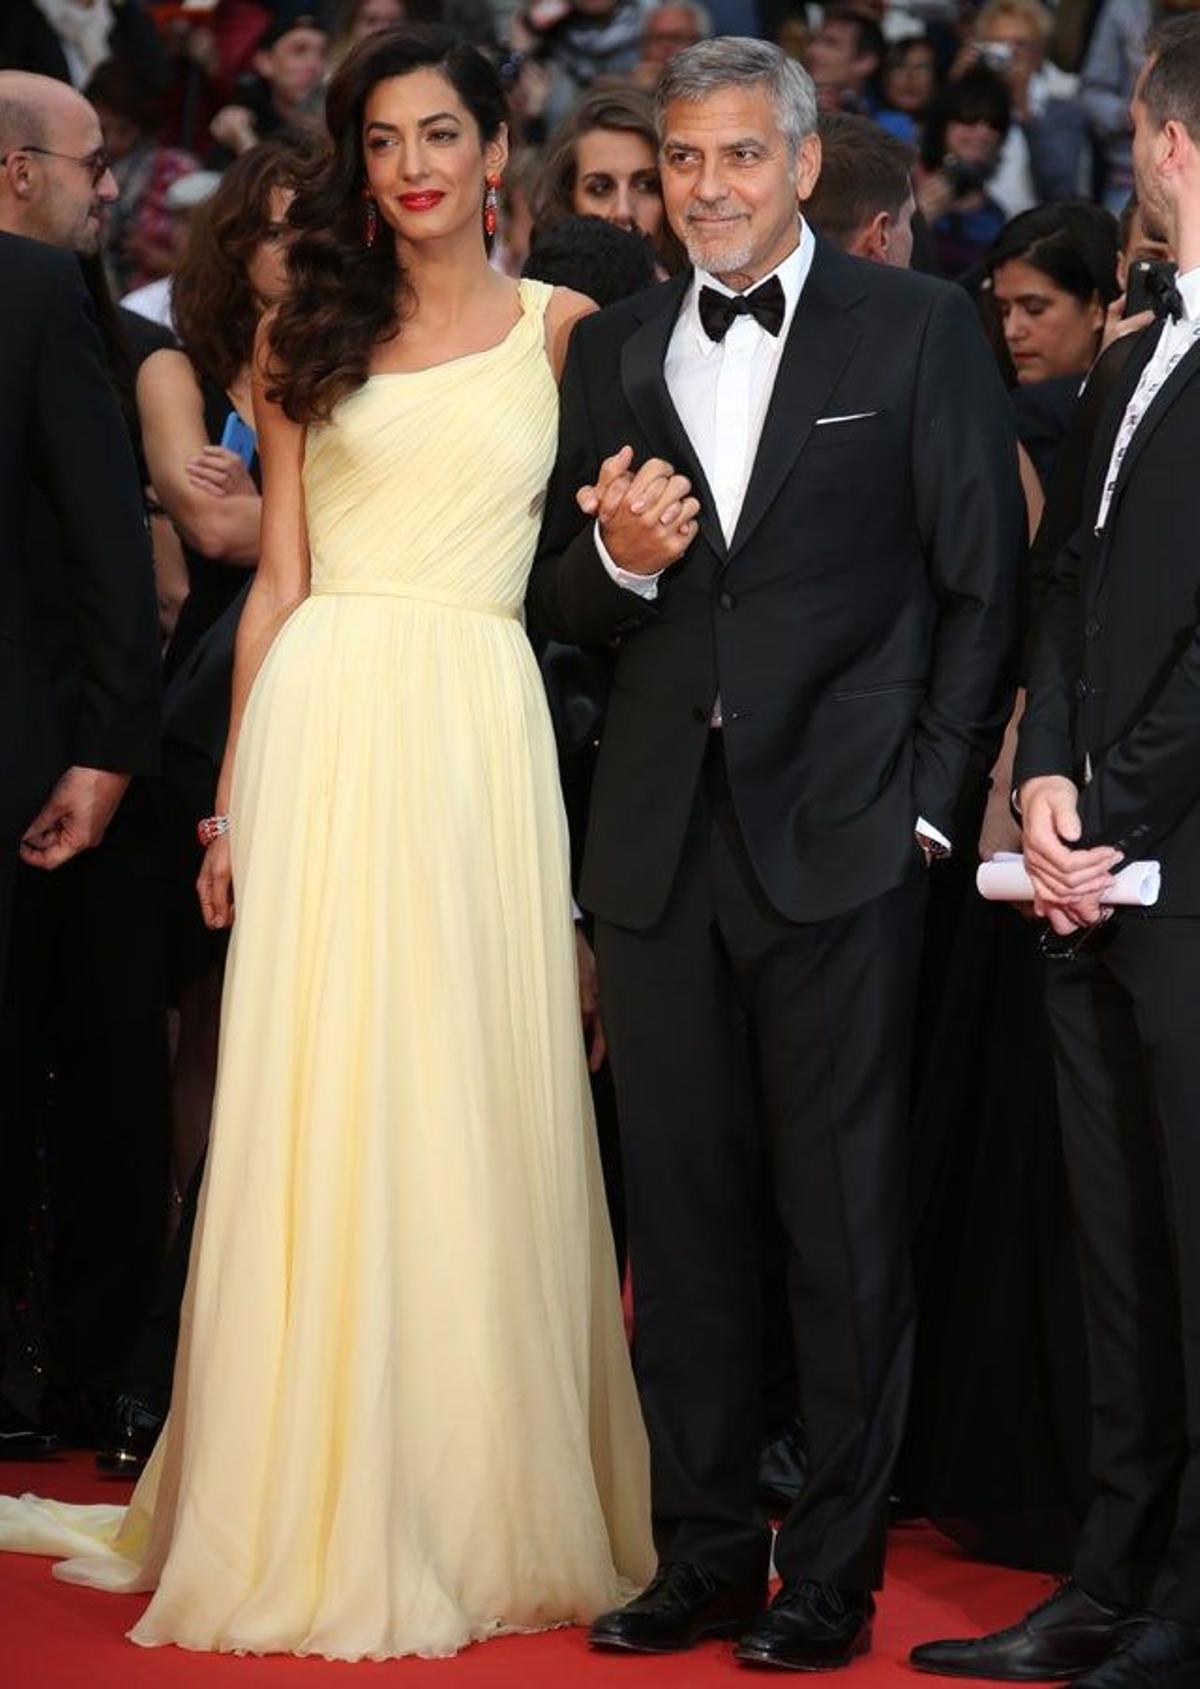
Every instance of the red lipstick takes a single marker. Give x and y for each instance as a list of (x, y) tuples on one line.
[(422, 201)]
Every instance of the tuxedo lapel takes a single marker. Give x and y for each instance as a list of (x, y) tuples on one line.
[(1166, 396), (645, 387), (819, 343)]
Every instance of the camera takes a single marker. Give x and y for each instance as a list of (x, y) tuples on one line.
[(997, 55), (965, 178)]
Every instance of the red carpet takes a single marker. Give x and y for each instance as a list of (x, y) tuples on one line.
[(53, 1636)]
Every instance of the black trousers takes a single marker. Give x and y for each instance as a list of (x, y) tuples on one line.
[(84, 1111), (746, 1044), (1125, 1022)]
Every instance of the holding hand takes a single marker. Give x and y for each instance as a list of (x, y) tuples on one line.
[(648, 518), (1068, 883)]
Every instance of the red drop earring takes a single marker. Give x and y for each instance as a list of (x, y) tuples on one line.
[(371, 219), (490, 201)]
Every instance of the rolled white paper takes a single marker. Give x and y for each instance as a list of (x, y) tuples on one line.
[(1004, 880)]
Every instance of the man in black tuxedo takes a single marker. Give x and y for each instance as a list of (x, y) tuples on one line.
[(798, 511), (65, 453), (1108, 767)]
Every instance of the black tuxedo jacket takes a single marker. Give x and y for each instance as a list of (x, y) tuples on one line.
[(1114, 671), (860, 626), (61, 432)]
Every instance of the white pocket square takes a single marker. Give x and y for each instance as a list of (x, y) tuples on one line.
[(855, 416)]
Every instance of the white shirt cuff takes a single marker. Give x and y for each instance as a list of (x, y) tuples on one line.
[(646, 586), (929, 832)]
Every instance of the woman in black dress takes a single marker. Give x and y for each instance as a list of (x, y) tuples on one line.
[(197, 425)]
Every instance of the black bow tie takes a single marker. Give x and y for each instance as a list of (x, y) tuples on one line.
[(717, 310), (1168, 301)]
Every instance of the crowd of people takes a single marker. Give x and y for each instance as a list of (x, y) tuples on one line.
[(835, 1058)]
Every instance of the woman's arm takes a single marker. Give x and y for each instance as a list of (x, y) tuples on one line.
[(562, 313), (171, 408), (280, 585)]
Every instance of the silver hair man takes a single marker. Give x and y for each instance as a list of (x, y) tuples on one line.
[(738, 61)]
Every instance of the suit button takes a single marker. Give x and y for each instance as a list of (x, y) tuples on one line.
[(1082, 689), (1091, 629), (699, 713), (727, 601)]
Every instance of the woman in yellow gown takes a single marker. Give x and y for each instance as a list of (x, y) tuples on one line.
[(403, 1416)]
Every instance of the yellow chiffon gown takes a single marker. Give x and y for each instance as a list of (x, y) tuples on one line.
[(403, 1416)]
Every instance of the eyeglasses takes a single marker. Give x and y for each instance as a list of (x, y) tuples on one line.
[(97, 162)]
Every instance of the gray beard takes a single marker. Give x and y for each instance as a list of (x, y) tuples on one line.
[(718, 260)]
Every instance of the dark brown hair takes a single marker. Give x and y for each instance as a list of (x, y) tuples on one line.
[(346, 297), (607, 105), (1171, 87), (864, 171), (216, 310)]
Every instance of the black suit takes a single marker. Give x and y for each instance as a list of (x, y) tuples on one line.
[(79, 684), (758, 890), (1114, 690), (61, 426)]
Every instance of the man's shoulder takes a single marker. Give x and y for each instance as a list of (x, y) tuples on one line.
[(37, 277), (614, 324), (905, 292)]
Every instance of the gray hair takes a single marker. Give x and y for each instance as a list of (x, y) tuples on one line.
[(737, 61)]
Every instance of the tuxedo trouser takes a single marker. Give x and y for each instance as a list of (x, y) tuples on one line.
[(1126, 1027), (748, 1046)]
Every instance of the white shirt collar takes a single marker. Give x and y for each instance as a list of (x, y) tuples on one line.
[(1189, 290), (792, 273)]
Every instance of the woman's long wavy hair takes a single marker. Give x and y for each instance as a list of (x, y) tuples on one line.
[(216, 310), (345, 297)]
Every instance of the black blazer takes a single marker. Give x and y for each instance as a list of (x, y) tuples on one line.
[(61, 430), (859, 628), (1114, 672)]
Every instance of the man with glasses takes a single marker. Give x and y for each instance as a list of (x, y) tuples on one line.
[(54, 177), (79, 663)]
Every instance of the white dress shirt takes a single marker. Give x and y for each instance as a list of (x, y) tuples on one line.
[(721, 391), (1174, 343)]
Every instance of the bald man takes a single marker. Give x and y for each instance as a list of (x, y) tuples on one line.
[(64, 446)]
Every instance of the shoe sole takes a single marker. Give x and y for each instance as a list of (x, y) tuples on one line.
[(770, 1662), (992, 1676), (710, 1633)]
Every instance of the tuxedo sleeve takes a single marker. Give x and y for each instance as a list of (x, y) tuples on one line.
[(971, 516), (1143, 785), (84, 458), (571, 596), (1055, 655)]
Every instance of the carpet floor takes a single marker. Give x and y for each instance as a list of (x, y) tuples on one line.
[(55, 1636)]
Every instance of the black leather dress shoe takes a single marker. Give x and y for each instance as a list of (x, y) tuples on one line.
[(1066, 1636), (21, 1439), (1155, 1654), (809, 1627), (683, 1605), (129, 1437)]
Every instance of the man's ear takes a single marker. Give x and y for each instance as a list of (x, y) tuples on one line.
[(261, 64), (808, 166), (872, 239)]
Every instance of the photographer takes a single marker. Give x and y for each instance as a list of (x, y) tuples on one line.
[(1045, 155), (960, 152)]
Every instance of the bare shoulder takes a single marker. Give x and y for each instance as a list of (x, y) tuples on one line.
[(563, 311)]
